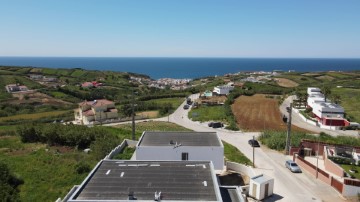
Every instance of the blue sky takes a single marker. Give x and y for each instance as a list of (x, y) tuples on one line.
[(182, 28)]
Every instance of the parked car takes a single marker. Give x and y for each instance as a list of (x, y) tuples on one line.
[(254, 143), (292, 166), (188, 101), (216, 124), (186, 106)]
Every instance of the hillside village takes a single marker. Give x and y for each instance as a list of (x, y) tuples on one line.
[(184, 125)]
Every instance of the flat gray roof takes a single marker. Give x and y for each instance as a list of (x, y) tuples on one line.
[(176, 180), (183, 138)]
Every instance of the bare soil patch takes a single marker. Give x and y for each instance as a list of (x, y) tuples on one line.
[(148, 114), (33, 97), (325, 78), (258, 113), (287, 83)]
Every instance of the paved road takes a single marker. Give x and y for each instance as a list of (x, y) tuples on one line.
[(299, 122), (288, 186)]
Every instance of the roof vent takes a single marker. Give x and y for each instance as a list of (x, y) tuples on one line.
[(157, 196)]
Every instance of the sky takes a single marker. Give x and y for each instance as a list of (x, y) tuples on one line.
[(181, 28)]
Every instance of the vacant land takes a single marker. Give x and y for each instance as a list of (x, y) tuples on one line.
[(350, 100), (48, 172), (153, 126), (208, 113), (34, 116), (258, 113), (148, 114), (286, 83)]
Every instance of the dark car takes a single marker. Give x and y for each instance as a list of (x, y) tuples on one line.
[(188, 101), (217, 125), (186, 106), (254, 143)]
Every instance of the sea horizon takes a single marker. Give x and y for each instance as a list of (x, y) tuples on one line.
[(184, 67)]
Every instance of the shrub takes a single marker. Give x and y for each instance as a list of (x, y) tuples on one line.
[(82, 167)]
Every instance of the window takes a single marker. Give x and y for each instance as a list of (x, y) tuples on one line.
[(184, 156)]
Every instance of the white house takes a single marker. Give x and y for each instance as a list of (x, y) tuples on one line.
[(223, 90), (192, 146), (313, 90), (97, 110), (329, 114), (314, 99), (15, 88)]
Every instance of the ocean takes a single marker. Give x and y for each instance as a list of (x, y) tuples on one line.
[(185, 67)]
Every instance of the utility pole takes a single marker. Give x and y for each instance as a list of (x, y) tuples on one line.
[(288, 139), (133, 115), (253, 152)]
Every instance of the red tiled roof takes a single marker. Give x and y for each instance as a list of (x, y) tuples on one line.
[(88, 113)]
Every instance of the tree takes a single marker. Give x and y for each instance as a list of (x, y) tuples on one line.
[(326, 91), (8, 184), (336, 99)]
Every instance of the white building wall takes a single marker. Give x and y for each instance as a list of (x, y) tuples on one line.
[(321, 110), (313, 90), (203, 153), (349, 190)]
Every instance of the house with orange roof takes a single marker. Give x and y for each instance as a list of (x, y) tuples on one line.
[(95, 111)]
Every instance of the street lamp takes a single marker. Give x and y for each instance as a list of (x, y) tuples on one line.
[(133, 114)]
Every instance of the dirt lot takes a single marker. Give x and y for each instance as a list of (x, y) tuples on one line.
[(256, 113), (286, 82), (33, 97), (326, 78)]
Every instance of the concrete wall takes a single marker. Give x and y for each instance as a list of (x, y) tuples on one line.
[(120, 147), (305, 119), (240, 168), (214, 154), (349, 190), (332, 167)]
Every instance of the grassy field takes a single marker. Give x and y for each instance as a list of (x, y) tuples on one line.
[(48, 172), (258, 113), (34, 116), (231, 153), (153, 126), (286, 83), (175, 102), (350, 100), (208, 113)]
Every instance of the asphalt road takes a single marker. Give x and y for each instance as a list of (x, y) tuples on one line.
[(288, 186)]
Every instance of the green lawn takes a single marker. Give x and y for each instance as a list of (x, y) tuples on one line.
[(208, 113), (233, 154), (348, 167), (350, 100)]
